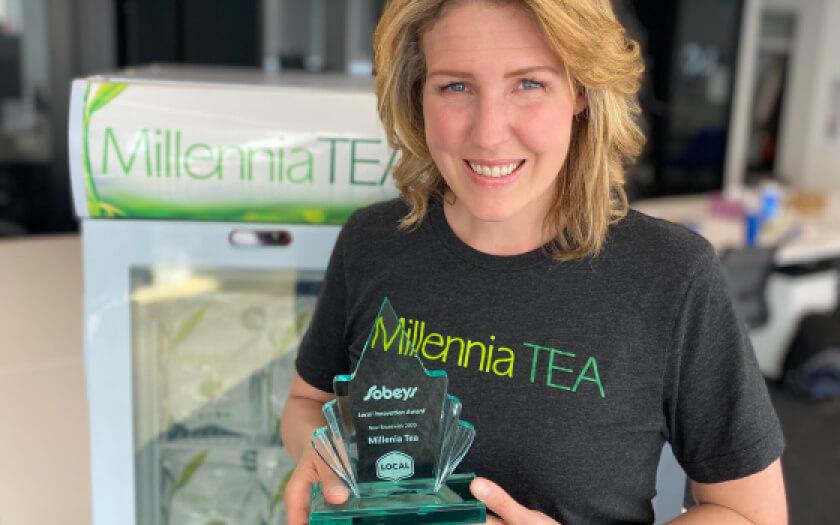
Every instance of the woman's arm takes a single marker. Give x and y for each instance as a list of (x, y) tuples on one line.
[(301, 417), (758, 499)]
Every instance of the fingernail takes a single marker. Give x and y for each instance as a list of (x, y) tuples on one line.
[(481, 489), (337, 491)]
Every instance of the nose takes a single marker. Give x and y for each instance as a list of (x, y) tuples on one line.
[(491, 122)]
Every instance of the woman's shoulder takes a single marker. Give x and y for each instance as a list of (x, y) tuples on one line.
[(386, 214), (644, 240), (375, 227)]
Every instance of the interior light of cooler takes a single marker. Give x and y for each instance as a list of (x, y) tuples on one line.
[(191, 286)]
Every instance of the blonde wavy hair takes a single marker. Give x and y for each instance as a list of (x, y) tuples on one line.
[(599, 60)]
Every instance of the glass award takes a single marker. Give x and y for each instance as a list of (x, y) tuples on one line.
[(394, 438)]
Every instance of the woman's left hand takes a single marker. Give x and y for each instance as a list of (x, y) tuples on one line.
[(509, 511)]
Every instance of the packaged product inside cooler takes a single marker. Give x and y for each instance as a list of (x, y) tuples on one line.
[(218, 362), (201, 484)]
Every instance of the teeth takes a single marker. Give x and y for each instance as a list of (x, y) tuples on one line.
[(495, 171)]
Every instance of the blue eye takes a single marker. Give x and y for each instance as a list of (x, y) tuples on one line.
[(530, 84), (458, 87)]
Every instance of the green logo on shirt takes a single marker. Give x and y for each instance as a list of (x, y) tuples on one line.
[(557, 368)]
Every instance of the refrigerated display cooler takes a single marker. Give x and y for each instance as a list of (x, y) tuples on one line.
[(209, 201)]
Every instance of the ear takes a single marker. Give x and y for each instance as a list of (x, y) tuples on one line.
[(580, 100)]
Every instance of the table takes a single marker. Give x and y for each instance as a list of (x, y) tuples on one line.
[(815, 239), (44, 437), (817, 234)]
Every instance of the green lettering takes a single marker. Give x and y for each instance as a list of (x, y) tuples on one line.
[(449, 341), (223, 150), (465, 359), (405, 345), (537, 349), (380, 327), (142, 139), (157, 155), (508, 360), (267, 151), (552, 353), (281, 155), (595, 378), (307, 164), (332, 142), (434, 339), (168, 154), (208, 155), (354, 161), (177, 154)]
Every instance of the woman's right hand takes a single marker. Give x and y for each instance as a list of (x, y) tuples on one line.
[(310, 469)]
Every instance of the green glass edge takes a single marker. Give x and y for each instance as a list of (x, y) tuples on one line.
[(471, 510)]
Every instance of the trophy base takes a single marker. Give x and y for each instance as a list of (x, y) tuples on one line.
[(405, 502)]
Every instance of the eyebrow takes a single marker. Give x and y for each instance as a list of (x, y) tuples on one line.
[(516, 73)]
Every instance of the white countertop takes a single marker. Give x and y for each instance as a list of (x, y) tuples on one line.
[(817, 234)]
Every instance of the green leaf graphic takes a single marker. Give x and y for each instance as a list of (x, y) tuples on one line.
[(188, 327), (106, 210), (91, 194), (302, 319), (105, 94), (190, 469)]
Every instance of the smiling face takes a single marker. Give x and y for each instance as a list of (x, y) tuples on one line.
[(498, 118)]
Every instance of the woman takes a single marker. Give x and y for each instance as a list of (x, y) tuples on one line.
[(612, 331)]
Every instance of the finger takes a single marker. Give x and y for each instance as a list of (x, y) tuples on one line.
[(335, 491), (310, 470), (497, 500), (296, 498)]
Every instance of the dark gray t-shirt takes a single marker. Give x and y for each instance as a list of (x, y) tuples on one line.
[(574, 374)]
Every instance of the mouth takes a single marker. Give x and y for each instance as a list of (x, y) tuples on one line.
[(496, 169)]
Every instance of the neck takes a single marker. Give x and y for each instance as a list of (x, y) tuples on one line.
[(510, 237)]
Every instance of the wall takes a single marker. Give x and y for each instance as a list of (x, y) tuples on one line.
[(825, 145), (808, 158)]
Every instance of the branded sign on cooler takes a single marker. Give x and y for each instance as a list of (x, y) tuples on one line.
[(394, 466), (163, 150)]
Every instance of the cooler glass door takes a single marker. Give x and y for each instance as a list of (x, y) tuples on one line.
[(191, 331)]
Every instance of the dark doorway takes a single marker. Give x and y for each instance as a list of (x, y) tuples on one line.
[(212, 32)]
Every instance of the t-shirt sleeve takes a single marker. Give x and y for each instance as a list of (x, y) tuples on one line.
[(323, 352), (721, 422)]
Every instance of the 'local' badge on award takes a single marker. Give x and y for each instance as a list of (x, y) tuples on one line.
[(394, 438)]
